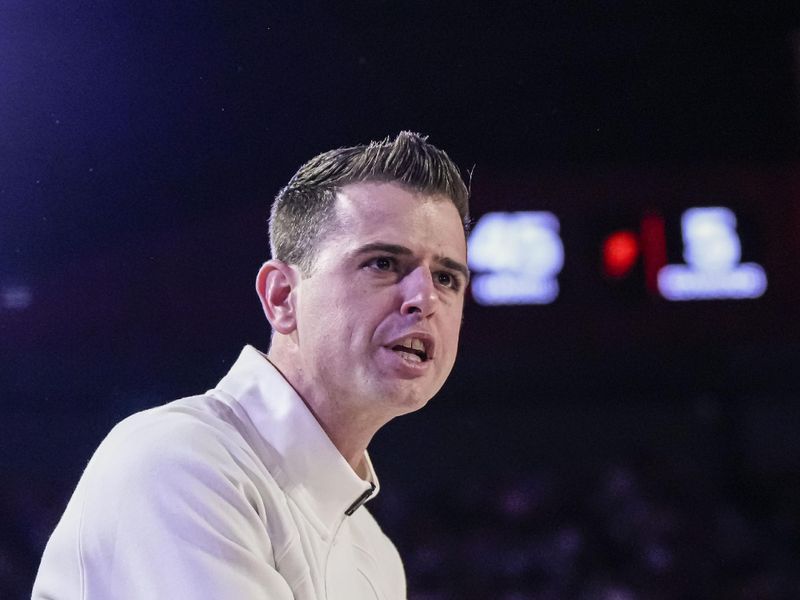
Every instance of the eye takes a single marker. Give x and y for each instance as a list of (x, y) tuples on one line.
[(447, 280), (382, 263)]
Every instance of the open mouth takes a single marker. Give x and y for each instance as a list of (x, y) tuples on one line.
[(411, 349)]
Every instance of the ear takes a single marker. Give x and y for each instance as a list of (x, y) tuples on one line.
[(274, 284)]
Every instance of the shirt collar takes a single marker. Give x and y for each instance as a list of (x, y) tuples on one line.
[(316, 475)]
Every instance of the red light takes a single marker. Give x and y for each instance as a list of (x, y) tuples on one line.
[(620, 251)]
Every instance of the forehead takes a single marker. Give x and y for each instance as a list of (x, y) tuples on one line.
[(388, 212)]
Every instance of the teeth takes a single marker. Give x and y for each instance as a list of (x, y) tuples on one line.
[(414, 344)]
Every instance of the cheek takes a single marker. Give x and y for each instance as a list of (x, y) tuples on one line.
[(356, 318), (451, 331), (320, 325)]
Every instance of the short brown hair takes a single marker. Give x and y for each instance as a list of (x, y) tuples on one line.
[(305, 207)]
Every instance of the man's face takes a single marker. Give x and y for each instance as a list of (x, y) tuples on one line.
[(378, 318)]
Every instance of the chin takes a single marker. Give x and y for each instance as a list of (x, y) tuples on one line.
[(398, 396), (406, 401), (404, 408)]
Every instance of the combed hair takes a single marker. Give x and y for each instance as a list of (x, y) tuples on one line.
[(304, 210)]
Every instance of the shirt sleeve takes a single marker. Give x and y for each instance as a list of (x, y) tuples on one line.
[(164, 510)]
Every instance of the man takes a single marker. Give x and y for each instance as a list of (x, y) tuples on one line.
[(254, 489)]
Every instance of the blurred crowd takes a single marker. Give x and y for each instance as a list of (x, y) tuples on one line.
[(635, 529)]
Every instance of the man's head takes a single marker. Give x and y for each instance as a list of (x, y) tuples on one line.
[(365, 290), (303, 212)]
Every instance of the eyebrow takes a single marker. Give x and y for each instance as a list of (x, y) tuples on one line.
[(398, 250)]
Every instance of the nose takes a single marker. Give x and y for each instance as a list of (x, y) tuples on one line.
[(419, 293)]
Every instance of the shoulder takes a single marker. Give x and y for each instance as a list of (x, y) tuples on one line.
[(173, 499), (180, 471), (180, 449)]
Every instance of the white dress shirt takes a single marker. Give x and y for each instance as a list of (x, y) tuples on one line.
[(234, 494)]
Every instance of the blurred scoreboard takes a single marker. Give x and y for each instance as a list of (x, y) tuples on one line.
[(636, 277), (699, 236), (517, 257)]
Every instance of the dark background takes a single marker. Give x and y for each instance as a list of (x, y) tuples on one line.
[(611, 445)]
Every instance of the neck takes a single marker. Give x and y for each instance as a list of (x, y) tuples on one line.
[(350, 433), (349, 429)]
